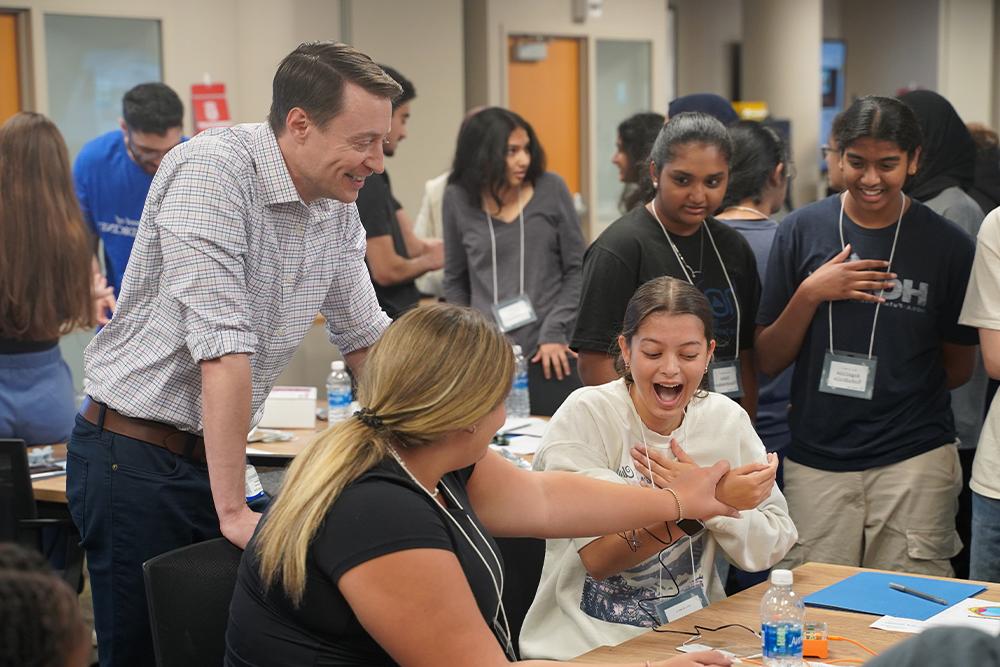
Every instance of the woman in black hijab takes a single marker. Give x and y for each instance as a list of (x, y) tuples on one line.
[(946, 174), (947, 162)]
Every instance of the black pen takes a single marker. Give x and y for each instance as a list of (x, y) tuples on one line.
[(920, 594)]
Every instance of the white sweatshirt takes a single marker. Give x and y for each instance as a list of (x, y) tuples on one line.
[(592, 433)]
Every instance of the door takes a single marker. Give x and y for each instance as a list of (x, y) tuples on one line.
[(10, 79), (544, 87)]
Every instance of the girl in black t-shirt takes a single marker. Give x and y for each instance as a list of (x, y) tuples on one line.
[(675, 235), (379, 548)]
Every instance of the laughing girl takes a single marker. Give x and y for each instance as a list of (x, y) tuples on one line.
[(643, 429)]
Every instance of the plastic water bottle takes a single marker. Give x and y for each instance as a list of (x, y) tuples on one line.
[(781, 613), (338, 393), (518, 403)]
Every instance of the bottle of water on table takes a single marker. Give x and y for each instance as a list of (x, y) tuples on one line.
[(338, 393), (781, 613), (518, 402)]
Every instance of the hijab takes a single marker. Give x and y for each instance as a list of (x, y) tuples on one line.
[(710, 103), (948, 154)]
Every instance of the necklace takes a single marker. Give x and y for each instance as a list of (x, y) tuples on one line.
[(689, 272), (399, 460), (746, 209)]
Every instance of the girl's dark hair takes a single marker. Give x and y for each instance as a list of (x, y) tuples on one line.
[(636, 135), (481, 154), (690, 127), (880, 118), (757, 151), (663, 295)]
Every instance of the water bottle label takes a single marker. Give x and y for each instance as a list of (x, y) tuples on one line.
[(338, 399), (251, 484), (520, 381), (782, 640)]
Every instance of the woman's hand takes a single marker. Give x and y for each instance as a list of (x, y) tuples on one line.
[(554, 358), (665, 469), (695, 488), (748, 486), (698, 659), (104, 299), (839, 279)]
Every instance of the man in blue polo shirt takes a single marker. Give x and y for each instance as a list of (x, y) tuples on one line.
[(114, 171)]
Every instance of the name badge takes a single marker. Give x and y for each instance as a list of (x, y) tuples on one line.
[(690, 599), (514, 313), (724, 377), (848, 374)]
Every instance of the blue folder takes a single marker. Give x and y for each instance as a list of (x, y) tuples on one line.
[(869, 593)]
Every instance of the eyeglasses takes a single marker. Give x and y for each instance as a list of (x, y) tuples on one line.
[(142, 153), (827, 149)]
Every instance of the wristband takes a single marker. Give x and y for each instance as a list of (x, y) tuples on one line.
[(680, 513)]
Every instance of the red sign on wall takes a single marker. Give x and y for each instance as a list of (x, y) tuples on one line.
[(208, 101)]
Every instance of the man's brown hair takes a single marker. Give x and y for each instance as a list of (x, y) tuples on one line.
[(45, 247), (312, 78)]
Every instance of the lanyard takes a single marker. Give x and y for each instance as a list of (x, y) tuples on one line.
[(493, 247), (680, 260), (892, 254)]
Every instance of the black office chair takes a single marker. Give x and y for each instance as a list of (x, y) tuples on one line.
[(188, 591), (522, 568), (19, 520)]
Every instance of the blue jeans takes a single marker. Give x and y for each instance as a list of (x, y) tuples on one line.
[(984, 554), (36, 397), (131, 501)]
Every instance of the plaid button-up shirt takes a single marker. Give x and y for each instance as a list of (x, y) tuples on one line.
[(228, 259)]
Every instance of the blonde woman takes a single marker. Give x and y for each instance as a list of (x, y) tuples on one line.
[(380, 548)]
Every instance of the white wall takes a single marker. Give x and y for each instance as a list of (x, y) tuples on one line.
[(423, 40), (890, 44), (966, 67), (705, 31)]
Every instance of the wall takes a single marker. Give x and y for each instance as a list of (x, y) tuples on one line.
[(890, 44), (705, 31), (431, 58), (966, 67)]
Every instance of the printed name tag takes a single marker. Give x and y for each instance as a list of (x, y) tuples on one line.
[(724, 377), (847, 374), (514, 313), (689, 600)]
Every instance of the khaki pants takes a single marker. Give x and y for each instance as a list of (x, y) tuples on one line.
[(898, 517)]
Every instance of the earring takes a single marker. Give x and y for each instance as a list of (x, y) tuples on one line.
[(472, 431), (706, 368), (656, 184)]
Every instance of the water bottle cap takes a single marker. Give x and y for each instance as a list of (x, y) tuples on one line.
[(781, 577), (336, 365), (516, 348)]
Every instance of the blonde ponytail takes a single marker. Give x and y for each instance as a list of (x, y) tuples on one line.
[(436, 369)]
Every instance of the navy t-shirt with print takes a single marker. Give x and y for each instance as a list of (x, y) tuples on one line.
[(909, 413)]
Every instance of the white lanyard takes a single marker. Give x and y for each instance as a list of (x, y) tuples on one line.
[(892, 253), (493, 246), (497, 586), (680, 260), (652, 482)]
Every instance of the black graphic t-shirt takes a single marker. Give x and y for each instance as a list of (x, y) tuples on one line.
[(634, 250), (909, 413)]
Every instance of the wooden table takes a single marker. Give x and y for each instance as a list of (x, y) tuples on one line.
[(53, 489), (745, 608)]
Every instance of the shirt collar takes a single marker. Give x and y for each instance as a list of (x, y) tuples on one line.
[(276, 182)]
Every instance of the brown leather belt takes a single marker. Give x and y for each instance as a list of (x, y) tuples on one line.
[(179, 442)]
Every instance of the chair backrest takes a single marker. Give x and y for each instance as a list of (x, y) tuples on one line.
[(17, 501), (522, 564), (188, 591)]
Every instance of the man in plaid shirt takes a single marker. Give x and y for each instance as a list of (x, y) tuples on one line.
[(247, 232)]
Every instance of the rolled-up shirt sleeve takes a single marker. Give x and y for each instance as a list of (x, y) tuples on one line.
[(204, 245), (354, 320)]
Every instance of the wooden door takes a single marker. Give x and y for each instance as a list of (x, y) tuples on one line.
[(10, 80), (547, 93)]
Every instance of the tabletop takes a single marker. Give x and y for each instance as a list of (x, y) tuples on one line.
[(744, 608)]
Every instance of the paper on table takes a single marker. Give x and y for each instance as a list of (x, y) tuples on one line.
[(532, 426), (969, 614), (897, 624), (522, 444), (253, 451)]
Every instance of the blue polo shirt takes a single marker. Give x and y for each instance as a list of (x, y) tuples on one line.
[(112, 190)]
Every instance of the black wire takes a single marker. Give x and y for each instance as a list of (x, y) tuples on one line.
[(701, 629)]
